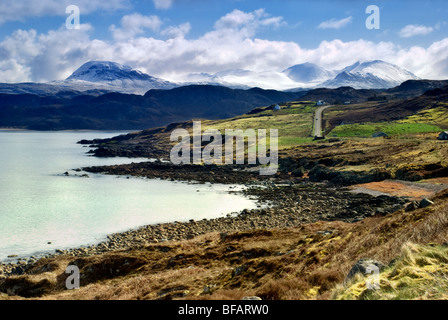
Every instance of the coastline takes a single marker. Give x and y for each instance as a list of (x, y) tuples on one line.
[(279, 206)]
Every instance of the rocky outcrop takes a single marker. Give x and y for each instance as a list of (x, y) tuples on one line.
[(321, 173), (364, 267)]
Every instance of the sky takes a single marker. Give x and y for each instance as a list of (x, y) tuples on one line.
[(41, 40)]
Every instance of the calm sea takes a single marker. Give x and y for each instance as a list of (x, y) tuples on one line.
[(39, 204)]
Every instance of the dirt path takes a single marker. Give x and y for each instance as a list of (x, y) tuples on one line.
[(318, 121), (411, 190)]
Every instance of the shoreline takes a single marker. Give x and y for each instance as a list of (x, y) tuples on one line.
[(9, 264), (281, 206), (14, 259)]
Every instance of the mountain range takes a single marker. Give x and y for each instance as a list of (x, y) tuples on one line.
[(375, 74), (103, 95), (99, 77)]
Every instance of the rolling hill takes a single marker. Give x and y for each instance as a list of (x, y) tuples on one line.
[(118, 111)]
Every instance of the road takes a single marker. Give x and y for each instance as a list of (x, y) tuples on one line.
[(318, 121)]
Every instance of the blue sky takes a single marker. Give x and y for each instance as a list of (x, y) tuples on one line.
[(169, 37)]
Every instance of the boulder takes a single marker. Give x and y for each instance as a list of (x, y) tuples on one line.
[(251, 298), (412, 206), (360, 267)]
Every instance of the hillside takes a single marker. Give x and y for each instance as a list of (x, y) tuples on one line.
[(428, 109), (340, 95), (98, 110), (117, 111)]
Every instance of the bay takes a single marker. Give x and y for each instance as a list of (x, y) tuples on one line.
[(41, 209)]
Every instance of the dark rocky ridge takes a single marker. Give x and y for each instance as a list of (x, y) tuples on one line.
[(117, 111)]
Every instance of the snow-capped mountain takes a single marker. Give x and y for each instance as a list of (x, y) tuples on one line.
[(370, 75), (241, 79), (115, 77), (97, 77), (218, 79), (308, 72), (367, 75)]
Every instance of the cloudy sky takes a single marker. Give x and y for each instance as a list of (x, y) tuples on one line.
[(166, 38)]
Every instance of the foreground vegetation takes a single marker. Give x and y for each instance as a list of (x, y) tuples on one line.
[(308, 262), (419, 272)]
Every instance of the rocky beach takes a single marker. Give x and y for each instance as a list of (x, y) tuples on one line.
[(282, 203)]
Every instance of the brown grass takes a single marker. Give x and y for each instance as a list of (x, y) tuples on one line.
[(296, 263)]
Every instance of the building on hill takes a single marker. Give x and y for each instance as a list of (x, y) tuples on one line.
[(443, 135), (277, 107), (379, 135), (320, 103)]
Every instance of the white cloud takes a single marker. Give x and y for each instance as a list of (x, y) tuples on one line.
[(163, 4), (13, 10), (177, 31), (414, 30), (250, 22), (135, 24), (335, 24), (26, 55)]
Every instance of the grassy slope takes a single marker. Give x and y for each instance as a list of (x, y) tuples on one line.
[(295, 263), (419, 272), (390, 128), (294, 123)]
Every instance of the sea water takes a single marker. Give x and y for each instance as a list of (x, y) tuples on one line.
[(42, 209)]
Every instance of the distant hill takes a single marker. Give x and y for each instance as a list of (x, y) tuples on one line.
[(396, 110), (113, 110), (131, 112), (342, 94), (414, 88)]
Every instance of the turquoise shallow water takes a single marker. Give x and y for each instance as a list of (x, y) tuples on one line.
[(39, 204)]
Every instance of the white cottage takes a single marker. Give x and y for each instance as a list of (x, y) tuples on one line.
[(277, 107)]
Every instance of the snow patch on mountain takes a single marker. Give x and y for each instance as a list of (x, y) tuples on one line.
[(115, 77), (375, 74), (308, 72)]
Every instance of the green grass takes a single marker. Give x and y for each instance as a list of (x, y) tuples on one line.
[(390, 128), (420, 272), (292, 141), (437, 115), (293, 122)]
